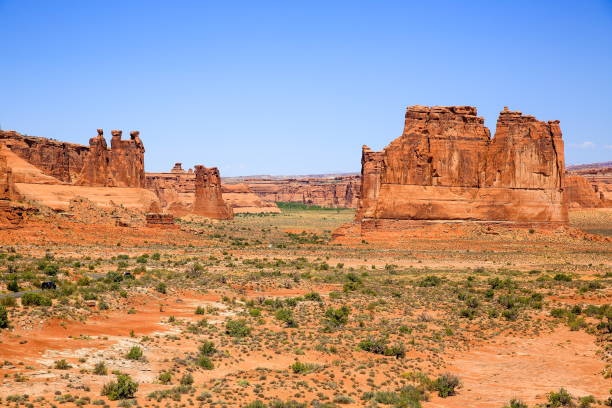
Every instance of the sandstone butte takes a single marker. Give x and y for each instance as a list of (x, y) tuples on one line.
[(446, 167), (208, 200), (176, 193)]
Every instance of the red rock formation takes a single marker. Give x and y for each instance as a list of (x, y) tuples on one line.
[(60, 160), (127, 160), (208, 199), (97, 165), (176, 192), (598, 176), (340, 191), (178, 168), (446, 167), (242, 200), (157, 220), (582, 194)]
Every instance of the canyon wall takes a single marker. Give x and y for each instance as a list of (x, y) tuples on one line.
[(208, 198), (445, 166), (335, 192)]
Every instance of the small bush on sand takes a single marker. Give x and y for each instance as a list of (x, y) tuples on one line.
[(237, 328), (4, 320), (446, 384), (135, 353), (123, 388)]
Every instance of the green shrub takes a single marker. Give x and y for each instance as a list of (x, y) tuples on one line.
[(559, 399), (562, 277), (61, 365), (13, 286), (303, 368), (161, 287), (4, 320), (8, 301), (255, 404), (446, 385), (514, 403), (34, 299), (135, 353), (429, 281), (187, 379), (204, 362), (100, 368), (207, 348), (123, 388), (165, 377), (313, 296), (237, 328), (200, 310), (286, 315), (337, 317)]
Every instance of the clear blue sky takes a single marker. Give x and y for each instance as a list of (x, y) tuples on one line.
[(296, 87)]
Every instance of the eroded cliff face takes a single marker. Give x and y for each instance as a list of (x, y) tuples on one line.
[(589, 185), (60, 160), (96, 169), (445, 166), (341, 191), (208, 198)]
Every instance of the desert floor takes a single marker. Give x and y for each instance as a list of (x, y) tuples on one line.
[(270, 311)]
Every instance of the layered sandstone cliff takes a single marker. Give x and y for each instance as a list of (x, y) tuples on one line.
[(334, 191), (208, 198), (445, 166)]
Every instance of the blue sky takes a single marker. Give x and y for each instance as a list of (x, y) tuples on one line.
[(297, 87)]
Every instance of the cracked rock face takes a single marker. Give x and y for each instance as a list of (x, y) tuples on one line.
[(445, 166), (208, 198)]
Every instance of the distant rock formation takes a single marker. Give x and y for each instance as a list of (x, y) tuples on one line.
[(97, 164), (445, 166), (334, 192), (242, 200), (590, 185), (176, 192), (208, 198)]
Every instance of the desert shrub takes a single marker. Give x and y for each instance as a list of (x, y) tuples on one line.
[(200, 310), (514, 403), (161, 287), (379, 346), (61, 365), (255, 404), (165, 377), (562, 277), (562, 398), (287, 404), (343, 399), (429, 281), (34, 299), (156, 256), (123, 388), (337, 317), (100, 368), (407, 396), (510, 314), (13, 286), (303, 368), (207, 348), (135, 353), (313, 296), (237, 328), (187, 379), (204, 362), (4, 320), (446, 385), (286, 315), (114, 276)]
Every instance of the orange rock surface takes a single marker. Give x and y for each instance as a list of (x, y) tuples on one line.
[(446, 167), (599, 178), (208, 199)]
